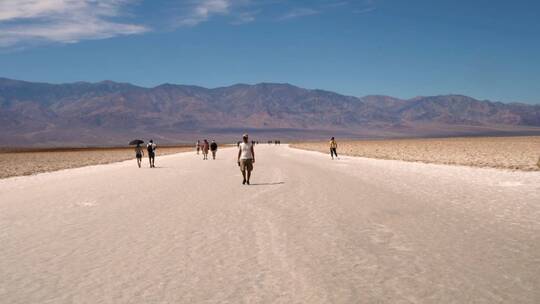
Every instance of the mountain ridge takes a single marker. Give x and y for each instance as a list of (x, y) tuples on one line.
[(108, 112)]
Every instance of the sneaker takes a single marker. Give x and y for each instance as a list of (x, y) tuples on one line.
[(244, 182), (248, 182)]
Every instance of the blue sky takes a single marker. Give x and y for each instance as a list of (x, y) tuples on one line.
[(484, 49)]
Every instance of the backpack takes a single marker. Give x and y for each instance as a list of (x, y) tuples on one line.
[(150, 148)]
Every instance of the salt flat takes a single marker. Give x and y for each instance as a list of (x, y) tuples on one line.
[(309, 230)]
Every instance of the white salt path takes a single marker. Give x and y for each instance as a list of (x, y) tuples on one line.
[(309, 230)]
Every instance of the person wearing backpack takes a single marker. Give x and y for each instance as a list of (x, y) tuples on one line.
[(213, 148), (151, 148)]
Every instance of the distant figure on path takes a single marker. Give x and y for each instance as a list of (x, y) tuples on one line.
[(139, 153), (151, 148), (333, 148), (213, 148), (205, 147), (246, 158), (198, 146)]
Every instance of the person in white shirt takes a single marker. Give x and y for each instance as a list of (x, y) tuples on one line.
[(246, 158)]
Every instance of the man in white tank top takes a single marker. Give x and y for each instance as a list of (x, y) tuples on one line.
[(246, 158)]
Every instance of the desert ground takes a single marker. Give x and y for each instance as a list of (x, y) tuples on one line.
[(516, 153), (16, 162), (308, 230)]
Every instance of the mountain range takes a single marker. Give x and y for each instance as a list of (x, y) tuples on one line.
[(112, 113)]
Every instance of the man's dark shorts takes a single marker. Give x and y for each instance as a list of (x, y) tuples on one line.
[(246, 164)]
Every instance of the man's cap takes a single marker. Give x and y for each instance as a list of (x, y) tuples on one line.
[(245, 135)]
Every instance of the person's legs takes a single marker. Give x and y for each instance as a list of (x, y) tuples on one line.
[(139, 161), (249, 168), (244, 176), (333, 152), (243, 170), (214, 154)]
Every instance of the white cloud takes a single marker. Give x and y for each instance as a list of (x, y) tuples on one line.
[(201, 11), (65, 21), (299, 12), (204, 10)]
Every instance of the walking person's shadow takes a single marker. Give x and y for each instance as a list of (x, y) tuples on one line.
[(267, 184)]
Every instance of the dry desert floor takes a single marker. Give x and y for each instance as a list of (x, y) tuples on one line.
[(308, 230), (28, 162), (519, 153)]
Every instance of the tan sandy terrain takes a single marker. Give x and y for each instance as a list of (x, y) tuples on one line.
[(520, 153), (27, 162), (308, 230)]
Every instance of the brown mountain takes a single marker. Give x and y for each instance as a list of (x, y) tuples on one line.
[(112, 113)]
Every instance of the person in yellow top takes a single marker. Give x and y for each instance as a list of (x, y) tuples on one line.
[(333, 148)]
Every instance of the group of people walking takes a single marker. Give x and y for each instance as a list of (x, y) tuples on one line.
[(150, 148), (205, 146), (246, 155), (245, 160)]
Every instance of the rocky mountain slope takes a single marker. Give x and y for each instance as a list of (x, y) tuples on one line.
[(109, 113)]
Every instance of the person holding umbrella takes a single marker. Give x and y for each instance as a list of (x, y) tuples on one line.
[(151, 148), (139, 154), (138, 150)]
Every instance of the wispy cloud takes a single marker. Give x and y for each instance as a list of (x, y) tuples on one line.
[(299, 12), (64, 21), (366, 6), (29, 22), (335, 4), (364, 10), (245, 17), (204, 10), (197, 12)]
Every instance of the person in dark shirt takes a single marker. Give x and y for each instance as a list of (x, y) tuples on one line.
[(151, 148), (213, 149)]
